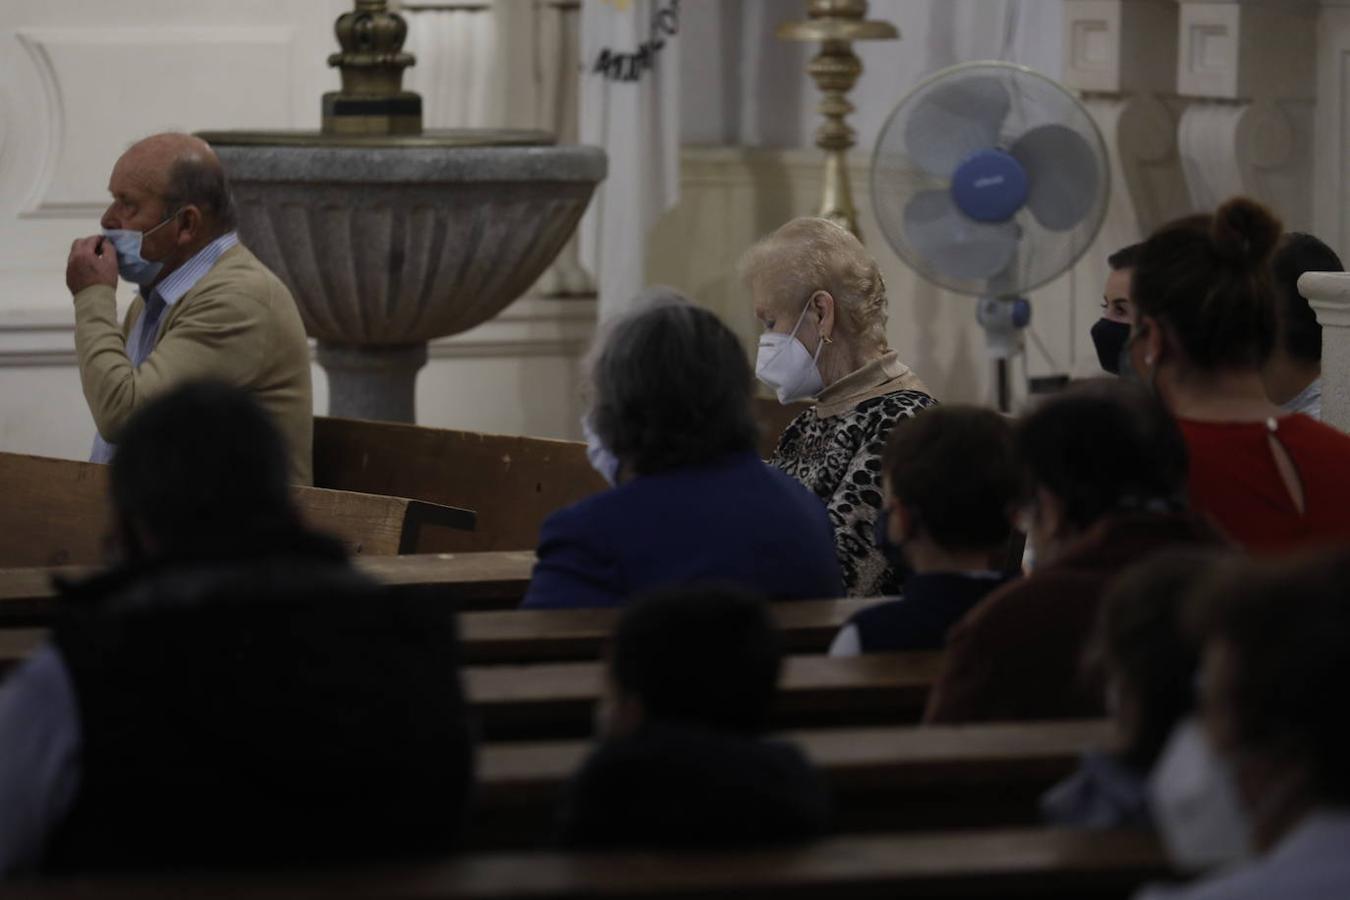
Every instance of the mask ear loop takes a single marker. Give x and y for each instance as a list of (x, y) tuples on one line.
[(792, 335), (167, 219)]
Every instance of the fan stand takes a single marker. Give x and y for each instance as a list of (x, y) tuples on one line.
[(1004, 319)]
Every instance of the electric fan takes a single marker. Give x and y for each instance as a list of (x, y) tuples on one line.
[(991, 180)]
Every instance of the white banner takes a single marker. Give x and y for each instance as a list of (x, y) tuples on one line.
[(630, 106)]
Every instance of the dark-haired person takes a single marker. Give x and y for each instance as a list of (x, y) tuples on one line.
[(1148, 663), (1205, 326), (1293, 374), (1273, 674), (692, 677), (205, 307), (822, 302), (235, 693), (1112, 330), (951, 482), (1105, 481), (671, 428)]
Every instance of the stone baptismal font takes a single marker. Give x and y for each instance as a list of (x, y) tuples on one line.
[(389, 235)]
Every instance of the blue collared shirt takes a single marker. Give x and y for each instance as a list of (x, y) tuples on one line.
[(168, 292)]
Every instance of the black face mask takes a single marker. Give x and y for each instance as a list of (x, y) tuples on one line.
[(1110, 340), (893, 552)]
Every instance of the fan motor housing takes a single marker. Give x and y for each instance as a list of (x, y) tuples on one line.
[(990, 186)]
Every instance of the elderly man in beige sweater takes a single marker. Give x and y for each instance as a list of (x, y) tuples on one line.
[(206, 308)]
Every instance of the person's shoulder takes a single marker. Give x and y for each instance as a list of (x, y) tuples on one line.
[(240, 274), (1257, 880), (880, 413), (1308, 430), (1019, 599)]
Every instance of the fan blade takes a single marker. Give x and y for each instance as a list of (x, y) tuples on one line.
[(955, 245), (954, 120), (1063, 172)]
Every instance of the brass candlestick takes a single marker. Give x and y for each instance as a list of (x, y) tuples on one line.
[(372, 100), (836, 24)]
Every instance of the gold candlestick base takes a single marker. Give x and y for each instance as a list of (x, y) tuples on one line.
[(836, 24)]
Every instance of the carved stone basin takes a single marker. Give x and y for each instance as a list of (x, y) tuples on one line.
[(388, 242)]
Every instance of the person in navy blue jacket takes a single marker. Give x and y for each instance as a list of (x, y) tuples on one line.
[(671, 428)]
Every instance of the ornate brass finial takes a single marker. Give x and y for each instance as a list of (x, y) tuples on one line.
[(372, 99), (836, 69)]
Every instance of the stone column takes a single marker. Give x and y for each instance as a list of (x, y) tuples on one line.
[(1249, 67), (1329, 295), (1121, 56), (372, 382)]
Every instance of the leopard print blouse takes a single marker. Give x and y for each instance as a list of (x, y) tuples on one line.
[(839, 458)]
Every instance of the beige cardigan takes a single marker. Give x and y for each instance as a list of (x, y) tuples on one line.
[(239, 324)]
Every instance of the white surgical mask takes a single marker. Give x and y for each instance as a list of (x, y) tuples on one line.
[(601, 459), (1195, 803), (784, 364), (130, 264)]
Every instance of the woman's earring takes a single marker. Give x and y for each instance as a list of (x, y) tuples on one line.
[(826, 339), (1148, 360)]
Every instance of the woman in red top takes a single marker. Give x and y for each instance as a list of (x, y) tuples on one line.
[(1204, 324)]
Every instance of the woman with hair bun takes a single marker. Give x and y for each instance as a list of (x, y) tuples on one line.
[(1204, 326)]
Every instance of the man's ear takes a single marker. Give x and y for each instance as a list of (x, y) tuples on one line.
[(191, 225), (823, 303)]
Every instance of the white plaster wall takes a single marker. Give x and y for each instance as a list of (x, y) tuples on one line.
[(81, 80)]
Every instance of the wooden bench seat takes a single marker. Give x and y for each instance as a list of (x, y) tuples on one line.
[(527, 636), (474, 581), (555, 700), (57, 512), (882, 778), (561, 635), (1023, 863), (558, 700)]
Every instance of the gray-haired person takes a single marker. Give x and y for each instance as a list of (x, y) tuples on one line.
[(670, 426)]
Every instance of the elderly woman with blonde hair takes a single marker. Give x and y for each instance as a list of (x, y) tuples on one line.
[(821, 299)]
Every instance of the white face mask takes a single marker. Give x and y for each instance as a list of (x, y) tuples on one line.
[(784, 364), (1195, 803), (603, 461)]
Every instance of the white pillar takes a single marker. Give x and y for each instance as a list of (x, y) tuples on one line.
[(1121, 57), (1329, 296), (1331, 201), (1249, 67)]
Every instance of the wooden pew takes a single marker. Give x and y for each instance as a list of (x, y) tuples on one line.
[(1023, 863), (522, 636), (556, 700), (57, 512), (882, 778), (513, 482), (472, 581)]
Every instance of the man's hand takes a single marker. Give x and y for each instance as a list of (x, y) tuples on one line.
[(92, 261)]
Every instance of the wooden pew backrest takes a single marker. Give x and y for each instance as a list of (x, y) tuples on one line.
[(513, 483), (1022, 863), (57, 512)]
